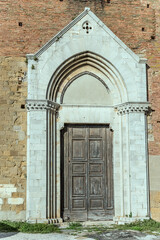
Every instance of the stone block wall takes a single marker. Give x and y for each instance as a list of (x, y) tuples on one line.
[(25, 27), (13, 89), (11, 202)]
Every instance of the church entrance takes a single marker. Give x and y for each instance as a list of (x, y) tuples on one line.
[(86, 172), (69, 166)]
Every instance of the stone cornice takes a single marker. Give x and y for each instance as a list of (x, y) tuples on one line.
[(132, 107), (33, 105)]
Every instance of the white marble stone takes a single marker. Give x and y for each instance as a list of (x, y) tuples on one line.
[(124, 73), (15, 201)]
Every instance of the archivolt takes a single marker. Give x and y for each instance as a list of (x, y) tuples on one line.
[(81, 60)]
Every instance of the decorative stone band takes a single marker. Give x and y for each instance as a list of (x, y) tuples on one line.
[(132, 107), (41, 105)]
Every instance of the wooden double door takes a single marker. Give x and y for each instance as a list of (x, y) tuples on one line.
[(86, 173)]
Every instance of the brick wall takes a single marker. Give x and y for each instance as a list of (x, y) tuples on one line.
[(27, 25), (41, 21)]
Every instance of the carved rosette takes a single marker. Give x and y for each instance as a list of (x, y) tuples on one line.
[(132, 108), (34, 105)]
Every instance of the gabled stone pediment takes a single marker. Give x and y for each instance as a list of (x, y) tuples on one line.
[(87, 24)]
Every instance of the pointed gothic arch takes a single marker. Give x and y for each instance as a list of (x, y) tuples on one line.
[(98, 65)]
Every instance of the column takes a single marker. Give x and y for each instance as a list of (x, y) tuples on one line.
[(41, 160), (134, 163)]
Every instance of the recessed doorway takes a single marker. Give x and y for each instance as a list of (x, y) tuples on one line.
[(86, 172)]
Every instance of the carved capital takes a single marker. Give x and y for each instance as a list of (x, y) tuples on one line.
[(40, 105), (132, 107)]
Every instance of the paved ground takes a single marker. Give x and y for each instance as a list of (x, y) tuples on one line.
[(109, 235), (82, 234), (125, 235), (50, 236)]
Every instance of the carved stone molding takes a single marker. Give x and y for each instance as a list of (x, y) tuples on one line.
[(41, 105), (132, 107)]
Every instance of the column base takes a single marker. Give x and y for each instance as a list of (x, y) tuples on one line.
[(49, 221), (55, 220)]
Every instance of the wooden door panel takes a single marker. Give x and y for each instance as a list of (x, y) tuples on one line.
[(64, 177), (94, 132), (78, 204), (95, 186), (78, 168), (78, 149), (78, 186), (95, 168), (88, 179), (109, 172), (96, 204), (79, 132), (95, 149)]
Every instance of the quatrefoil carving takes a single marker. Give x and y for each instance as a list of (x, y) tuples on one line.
[(87, 27)]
